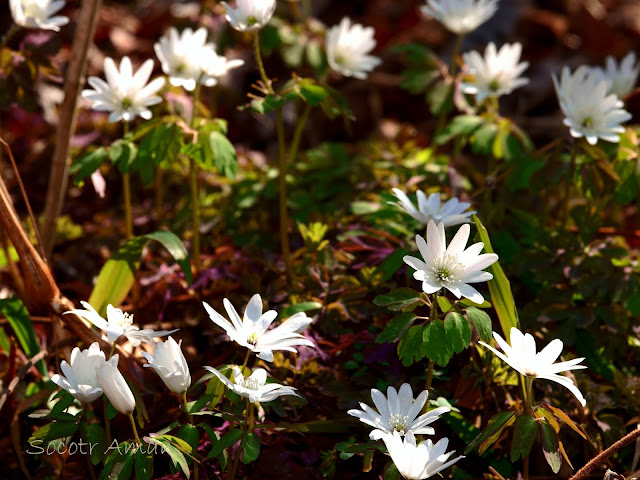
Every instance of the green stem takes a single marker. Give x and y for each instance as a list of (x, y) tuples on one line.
[(297, 134), (113, 349), (194, 186), (13, 29), (246, 360), (186, 407), (453, 66), (525, 468), (568, 182), (433, 317), (282, 164), (135, 430), (107, 422), (126, 193)]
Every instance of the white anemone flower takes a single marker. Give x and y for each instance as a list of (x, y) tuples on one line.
[(181, 55), (255, 386), (169, 362), (216, 66), (115, 387), (38, 14), (125, 94), (250, 15), (119, 323), (452, 212), (398, 412), (620, 78), (521, 355), (251, 331), (416, 462), (80, 378), (452, 267), (348, 48), (498, 73), (461, 16), (589, 111)]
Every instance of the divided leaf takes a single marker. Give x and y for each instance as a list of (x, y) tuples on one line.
[(525, 431), (435, 344), (457, 331)]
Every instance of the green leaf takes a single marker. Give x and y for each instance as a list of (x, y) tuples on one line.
[(565, 419), (117, 275), (435, 345), (396, 328), (551, 447), (482, 139), (290, 310), (399, 299), (440, 97), (229, 439), (143, 465), (457, 331), (176, 249), (444, 304), (496, 425), (62, 404), (52, 431), (410, 346), (250, 447), (161, 144), (460, 125), (224, 154), (89, 163), (119, 466), (177, 457), (391, 472), (311, 92), (20, 320), (525, 431), (481, 321), (94, 435), (189, 434), (392, 263), (499, 287), (123, 154)]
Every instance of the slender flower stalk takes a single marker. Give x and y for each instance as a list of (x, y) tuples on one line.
[(135, 430), (282, 163), (126, 194), (194, 187)]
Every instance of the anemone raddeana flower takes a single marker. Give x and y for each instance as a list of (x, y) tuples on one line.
[(125, 95), (255, 386), (181, 55), (452, 212), (416, 462), (495, 74), (460, 16), (119, 323), (452, 267), (620, 78), (80, 378), (216, 66), (169, 362), (521, 356), (251, 331), (115, 387), (589, 110), (38, 14), (348, 48), (398, 412), (250, 15)]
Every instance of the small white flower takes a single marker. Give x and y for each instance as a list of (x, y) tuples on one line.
[(589, 111), (250, 14), (452, 267), (620, 79), (115, 387), (498, 73), (124, 94), (38, 13), (461, 16), (255, 386), (397, 412), (521, 355), (217, 66), (251, 330), (416, 462), (348, 48), (119, 323), (452, 212), (168, 360), (181, 55), (81, 380)]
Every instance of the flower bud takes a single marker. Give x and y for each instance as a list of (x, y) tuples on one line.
[(115, 387), (167, 359)]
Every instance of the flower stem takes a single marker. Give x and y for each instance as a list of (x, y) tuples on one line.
[(194, 187), (107, 422), (126, 193), (13, 29), (282, 164), (297, 134), (568, 182), (113, 349), (135, 430), (186, 407), (246, 360), (453, 66), (525, 468)]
